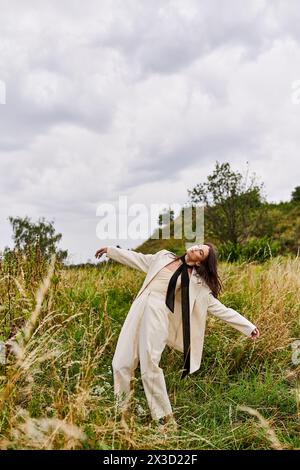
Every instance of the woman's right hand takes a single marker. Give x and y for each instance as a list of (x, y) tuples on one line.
[(101, 252), (255, 333)]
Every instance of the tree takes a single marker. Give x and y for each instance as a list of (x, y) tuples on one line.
[(296, 194), (165, 217), (230, 204), (40, 236)]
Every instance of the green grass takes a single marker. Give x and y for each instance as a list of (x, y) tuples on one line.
[(62, 377)]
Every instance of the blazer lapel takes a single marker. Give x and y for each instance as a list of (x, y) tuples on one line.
[(161, 262), (194, 289)]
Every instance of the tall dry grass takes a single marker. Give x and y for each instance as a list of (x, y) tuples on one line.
[(56, 388)]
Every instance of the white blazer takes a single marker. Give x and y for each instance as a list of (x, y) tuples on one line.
[(202, 301)]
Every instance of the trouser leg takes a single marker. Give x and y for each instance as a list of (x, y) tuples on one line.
[(152, 341), (125, 361)]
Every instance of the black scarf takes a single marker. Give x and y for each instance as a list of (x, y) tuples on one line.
[(185, 306)]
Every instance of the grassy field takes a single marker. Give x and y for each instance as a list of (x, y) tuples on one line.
[(56, 387)]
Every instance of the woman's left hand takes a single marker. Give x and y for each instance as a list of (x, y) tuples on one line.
[(255, 333)]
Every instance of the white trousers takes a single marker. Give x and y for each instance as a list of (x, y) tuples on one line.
[(142, 339)]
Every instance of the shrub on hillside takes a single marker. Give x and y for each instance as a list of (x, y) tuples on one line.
[(259, 249)]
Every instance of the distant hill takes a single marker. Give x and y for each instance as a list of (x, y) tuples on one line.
[(279, 221)]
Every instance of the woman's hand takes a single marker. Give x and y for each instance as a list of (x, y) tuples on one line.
[(255, 333), (101, 252)]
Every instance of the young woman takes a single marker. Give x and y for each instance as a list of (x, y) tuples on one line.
[(170, 308)]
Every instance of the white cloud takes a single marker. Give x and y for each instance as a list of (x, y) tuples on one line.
[(141, 98)]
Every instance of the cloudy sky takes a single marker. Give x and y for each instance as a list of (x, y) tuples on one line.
[(138, 99)]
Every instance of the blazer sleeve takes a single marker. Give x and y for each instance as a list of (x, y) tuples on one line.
[(130, 258), (229, 315)]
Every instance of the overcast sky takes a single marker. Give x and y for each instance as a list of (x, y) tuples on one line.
[(140, 99)]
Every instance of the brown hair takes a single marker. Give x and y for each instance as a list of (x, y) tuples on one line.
[(208, 270)]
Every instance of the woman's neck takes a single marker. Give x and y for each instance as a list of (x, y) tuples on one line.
[(189, 262)]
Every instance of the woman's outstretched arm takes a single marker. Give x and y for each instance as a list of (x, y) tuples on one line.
[(128, 257), (232, 317)]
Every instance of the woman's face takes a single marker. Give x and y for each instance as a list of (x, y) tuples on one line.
[(197, 253)]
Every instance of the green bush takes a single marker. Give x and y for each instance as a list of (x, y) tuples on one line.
[(259, 249), (230, 252)]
